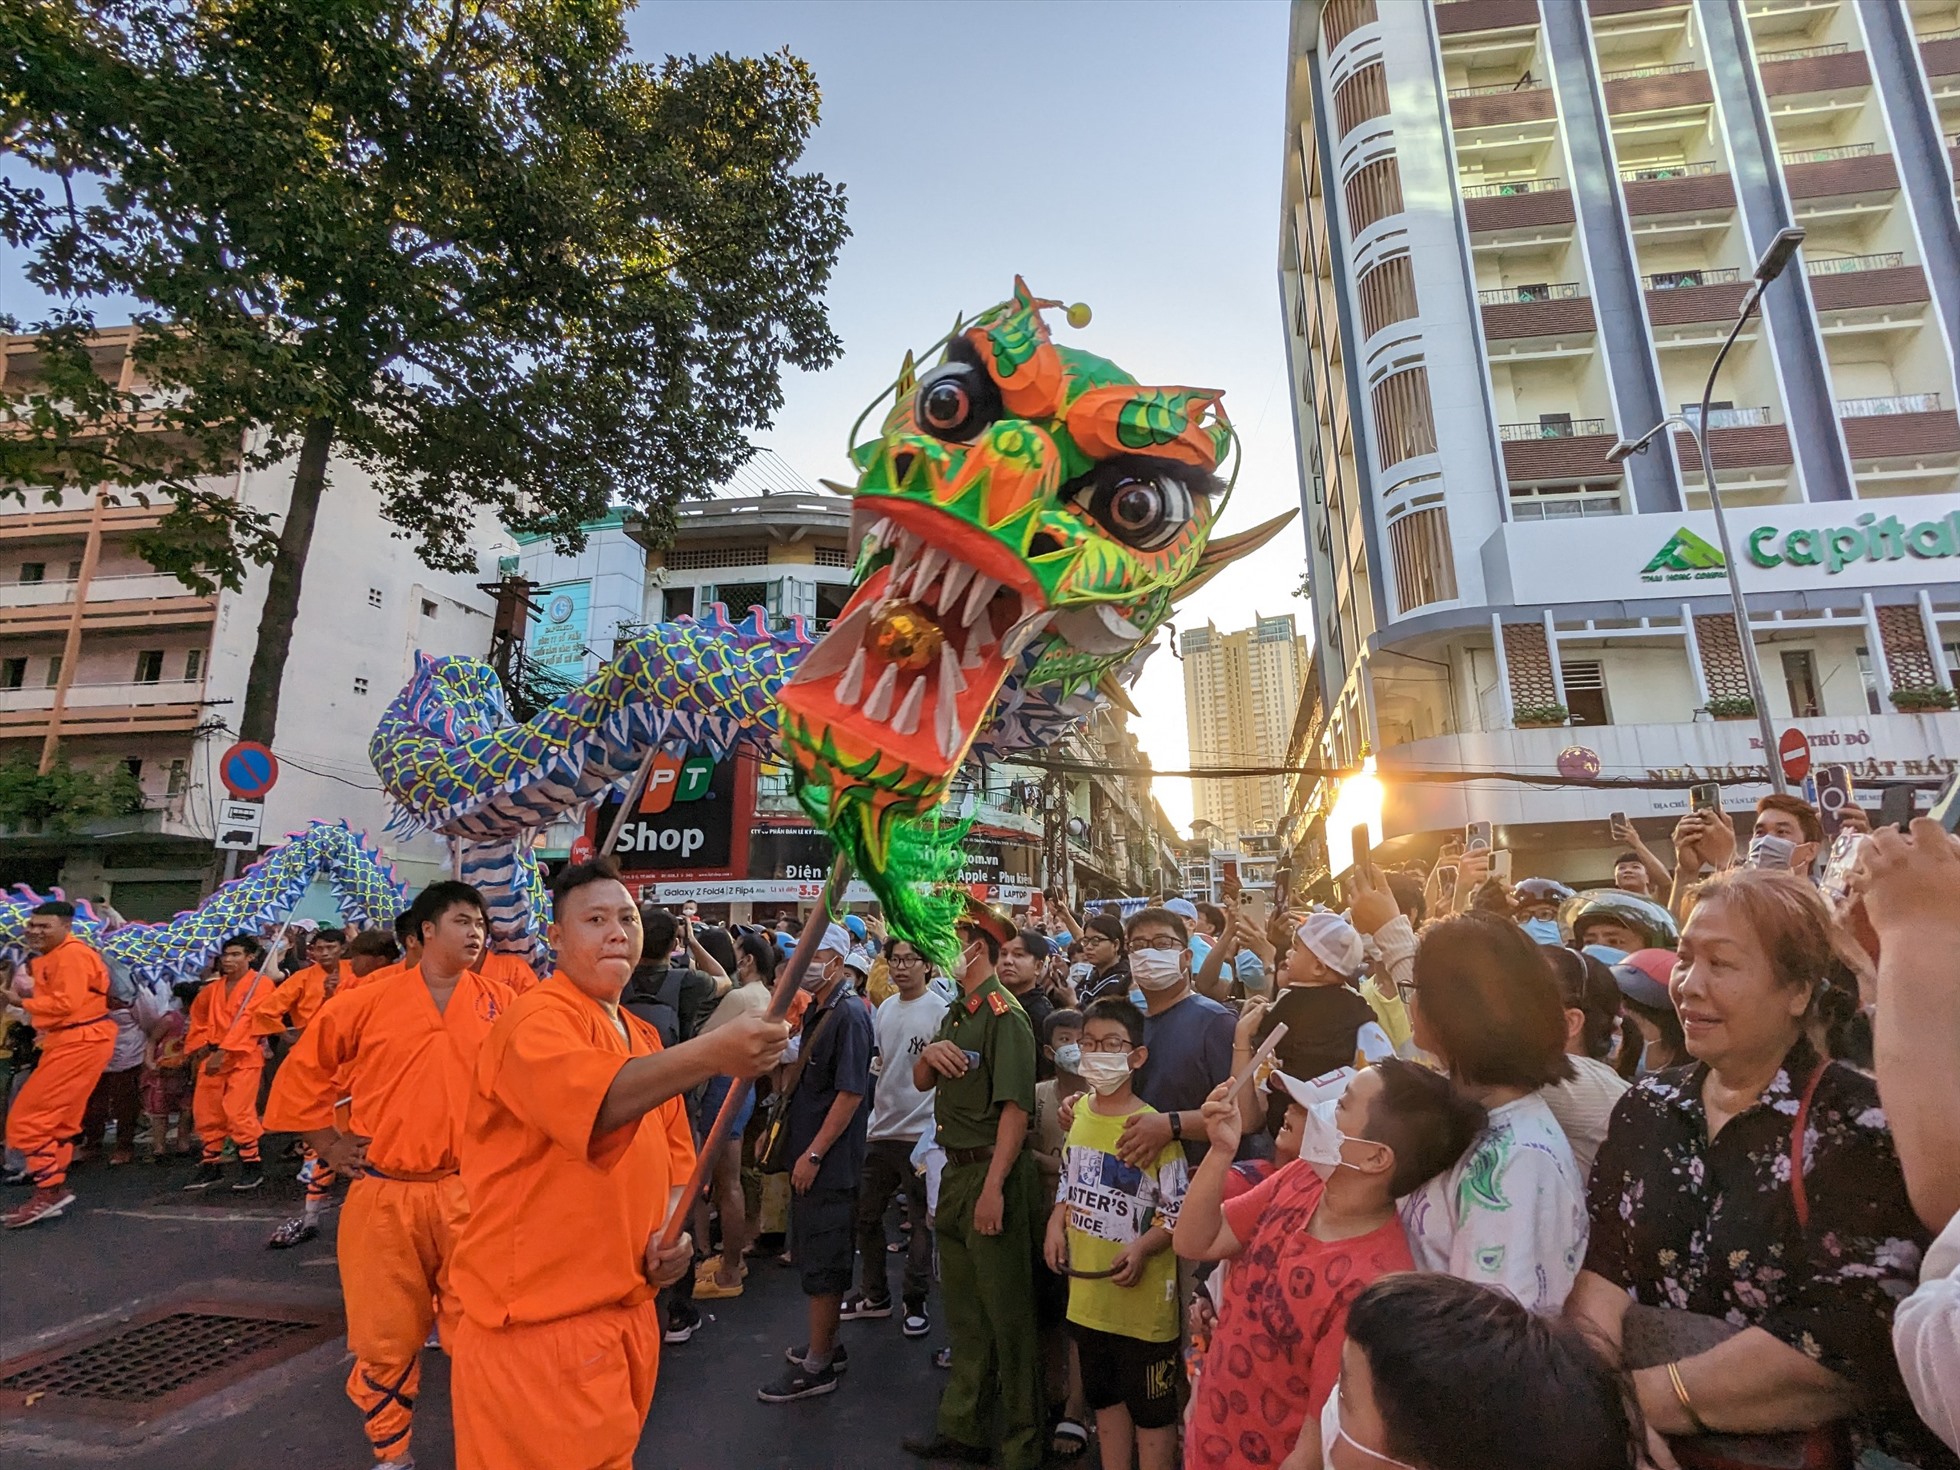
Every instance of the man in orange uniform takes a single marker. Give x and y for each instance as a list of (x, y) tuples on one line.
[(70, 1013), (402, 1049), (509, 968), (300, 999), (408, 957), (300, 996), (577, 1147), (230, 1020)]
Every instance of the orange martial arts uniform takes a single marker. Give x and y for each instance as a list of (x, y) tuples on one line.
[(351, 981), (407, 1068), (69, 1010), (560, 1339), (232, 1016), (508, 968), (301, 994)]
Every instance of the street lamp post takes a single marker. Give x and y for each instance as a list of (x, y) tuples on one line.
[(1779, 254)]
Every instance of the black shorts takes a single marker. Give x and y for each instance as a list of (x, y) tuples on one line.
[(1141, 1376), (821, 1239)]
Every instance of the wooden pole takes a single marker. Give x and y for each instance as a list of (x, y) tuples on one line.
[(788, 979), (630, 799), (71, 647)]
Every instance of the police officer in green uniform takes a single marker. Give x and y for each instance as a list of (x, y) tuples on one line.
[(987, 1211)]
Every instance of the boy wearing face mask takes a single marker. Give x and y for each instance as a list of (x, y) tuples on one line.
[(1308, 1241), (1188, 1039), (1110, 1232)]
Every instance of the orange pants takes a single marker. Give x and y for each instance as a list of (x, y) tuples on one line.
[(226, 1105), (571, 1394), (396, 1237), (46, 1116)]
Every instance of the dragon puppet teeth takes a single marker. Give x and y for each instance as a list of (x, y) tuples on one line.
[(931, 559), (879, 704), (951, 680), (946, 712), (970, 655), (1023, 633), (907, 718), (952, 585), (977, 598), (851, 686)]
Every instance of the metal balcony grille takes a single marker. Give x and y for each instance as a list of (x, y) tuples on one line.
[(1523, 84), (1665, 69), (1729, 418), (1515, 295), (1552, 429), (702, 559), (1511, 186), (1871, 408), (1835, 48), (1647, 173), (1829, 155), (1712, 275), (1845, 265)]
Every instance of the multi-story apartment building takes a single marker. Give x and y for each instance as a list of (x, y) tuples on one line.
[(1240, 691), (104, 662), (1517, 231)]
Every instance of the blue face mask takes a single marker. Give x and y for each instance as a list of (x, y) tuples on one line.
[(1545, 931)]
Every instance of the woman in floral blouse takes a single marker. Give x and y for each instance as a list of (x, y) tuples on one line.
[(1693, 1206)]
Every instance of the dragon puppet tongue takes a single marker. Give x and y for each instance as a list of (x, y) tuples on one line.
[(901, 682)]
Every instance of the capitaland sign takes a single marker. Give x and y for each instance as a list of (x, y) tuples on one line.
[(1903, 541), (1870, 540)]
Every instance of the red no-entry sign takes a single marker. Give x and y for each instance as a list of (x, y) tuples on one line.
[(1793, 749)]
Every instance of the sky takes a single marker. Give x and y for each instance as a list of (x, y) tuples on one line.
[(1124, 155)]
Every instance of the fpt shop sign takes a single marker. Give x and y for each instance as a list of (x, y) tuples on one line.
[(692, 818)]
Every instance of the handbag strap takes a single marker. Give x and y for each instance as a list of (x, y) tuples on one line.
[(1798, 1195), (794, 1076)]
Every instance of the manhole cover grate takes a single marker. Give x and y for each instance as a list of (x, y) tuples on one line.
[(158, 1361)]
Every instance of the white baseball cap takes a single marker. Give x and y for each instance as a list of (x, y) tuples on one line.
[(1334, 940), (1314, 1089), (1183, 908), (837, 938)]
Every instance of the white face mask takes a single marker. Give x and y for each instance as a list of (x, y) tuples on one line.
[(1103, 1072), (1068, 1057), (1320, 1139), (1157, 969), (1331, 1432)]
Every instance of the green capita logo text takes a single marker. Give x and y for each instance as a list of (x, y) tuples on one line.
[(1870, 540)]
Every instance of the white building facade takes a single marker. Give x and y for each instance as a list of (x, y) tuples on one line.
[(1516, 232)]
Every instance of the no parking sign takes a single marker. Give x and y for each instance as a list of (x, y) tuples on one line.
[(248, 770)]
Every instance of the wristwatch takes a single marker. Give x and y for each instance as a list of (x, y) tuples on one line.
[(815, 1157), (1177, 1125)]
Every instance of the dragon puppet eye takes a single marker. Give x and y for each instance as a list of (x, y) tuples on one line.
[(955, 401), (1143, 508)]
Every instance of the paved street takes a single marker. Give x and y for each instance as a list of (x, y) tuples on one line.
[(136, 1239)]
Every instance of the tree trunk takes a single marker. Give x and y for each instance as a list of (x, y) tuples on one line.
[(261, 718)]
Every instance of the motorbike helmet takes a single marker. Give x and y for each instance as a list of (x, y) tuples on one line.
[(1612, 917)]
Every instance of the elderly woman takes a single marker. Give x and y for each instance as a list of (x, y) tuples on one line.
[(1754, 1197), (1512, 1213)]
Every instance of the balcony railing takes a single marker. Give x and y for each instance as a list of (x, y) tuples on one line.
[(1515, 295), (1662, 69), (1709, 275), (1872, 408), (1829, 155), (1511, 186), (1845, 265), (1647, 173), (1553, 429), (1523, 84), (1939, 36), (101, 696), (37, 594), (1834, 48), (1729, 418)]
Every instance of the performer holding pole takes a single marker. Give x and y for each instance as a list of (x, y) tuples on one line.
[(576, 1143)]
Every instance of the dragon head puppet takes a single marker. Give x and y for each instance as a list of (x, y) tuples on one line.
[(1027, 515)]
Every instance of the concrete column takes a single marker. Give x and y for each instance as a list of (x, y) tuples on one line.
[(1503, 673), (1693, 645), (1881, 671), (1551, 655), (1942, 676)]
